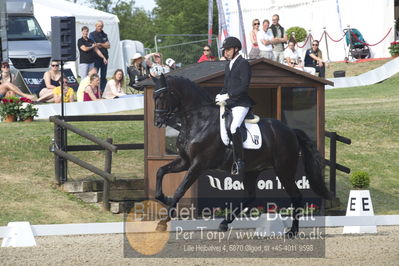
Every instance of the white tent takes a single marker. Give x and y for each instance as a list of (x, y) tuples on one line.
[(372, 18), (85, 16)]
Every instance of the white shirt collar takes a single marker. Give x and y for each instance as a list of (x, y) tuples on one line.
[(233, 60)]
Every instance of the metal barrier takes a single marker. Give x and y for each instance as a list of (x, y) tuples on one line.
[(332, 162), (60, 148)]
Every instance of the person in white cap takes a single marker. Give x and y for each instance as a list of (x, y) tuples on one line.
[(136, 70), (171, 63), (154, 61)]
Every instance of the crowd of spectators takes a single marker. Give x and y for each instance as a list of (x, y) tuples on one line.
[(268, 41)]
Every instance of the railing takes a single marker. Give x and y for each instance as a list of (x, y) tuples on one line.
[(61, 148), (332, 162)]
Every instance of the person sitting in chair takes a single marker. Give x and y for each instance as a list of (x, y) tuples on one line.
[(137, 71), (314, 58), (237, 76)]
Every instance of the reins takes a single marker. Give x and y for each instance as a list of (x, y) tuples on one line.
[(178, 113)]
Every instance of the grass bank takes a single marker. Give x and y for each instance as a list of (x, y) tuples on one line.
[(369, 116), (27, 191)]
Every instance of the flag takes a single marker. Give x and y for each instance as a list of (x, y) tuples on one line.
[(242, 30), (210, 21)]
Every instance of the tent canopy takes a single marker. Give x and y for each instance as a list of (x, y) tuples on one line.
[(85, 16), (372, 18)]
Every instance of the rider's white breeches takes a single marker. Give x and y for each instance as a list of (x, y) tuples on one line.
[(239, 113)]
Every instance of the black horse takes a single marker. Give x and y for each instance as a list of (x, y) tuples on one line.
[(201, 148)]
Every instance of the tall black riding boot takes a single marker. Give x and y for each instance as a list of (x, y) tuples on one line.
[(238, 155)]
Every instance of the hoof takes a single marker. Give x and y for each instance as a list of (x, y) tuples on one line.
[(161, 227), (291, 233), (223, 227)]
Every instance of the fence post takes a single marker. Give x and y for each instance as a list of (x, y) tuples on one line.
[(107, 168), (333, 161), (60, 163)]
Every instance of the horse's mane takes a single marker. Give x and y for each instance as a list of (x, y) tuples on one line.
[(188, 88)]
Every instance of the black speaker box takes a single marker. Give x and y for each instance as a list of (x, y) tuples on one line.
[(63, 38)]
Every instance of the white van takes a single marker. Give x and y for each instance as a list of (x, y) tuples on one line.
[(28, 47)]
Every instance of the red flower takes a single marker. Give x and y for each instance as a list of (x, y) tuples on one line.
[(4, 100), (313, 206), (394, 43), (272, 208)]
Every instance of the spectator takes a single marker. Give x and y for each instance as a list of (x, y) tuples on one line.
[(84, 83), (265, 37), (92, 91), (50, 81), (68, 92), (137, 71), (314, 58), (254, 53), (279, 39), (87, 53), (171, 63), (292, 59), (102, 43), (154, 60), (114, 86), (7, 88), (206, 54)]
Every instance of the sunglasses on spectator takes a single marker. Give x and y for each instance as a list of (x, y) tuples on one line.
[(256, 23), (55, 65), (5, 66), (315, 44), (206, 50)]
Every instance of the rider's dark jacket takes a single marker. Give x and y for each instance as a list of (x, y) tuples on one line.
[(236, 83)]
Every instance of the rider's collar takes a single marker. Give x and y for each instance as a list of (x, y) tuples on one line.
[(233, 60)]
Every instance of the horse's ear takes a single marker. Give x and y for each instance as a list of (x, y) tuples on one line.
[(163, 81)]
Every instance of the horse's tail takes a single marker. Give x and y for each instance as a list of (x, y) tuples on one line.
[(313, 164)]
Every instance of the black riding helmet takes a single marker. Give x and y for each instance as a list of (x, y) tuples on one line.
[(231, 42)]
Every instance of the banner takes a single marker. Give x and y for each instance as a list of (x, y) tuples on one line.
[(33, 80), (222, 22), (242, 30), (210, 21)]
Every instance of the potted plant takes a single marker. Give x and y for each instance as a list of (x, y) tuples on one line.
[(27, 111), (359, 202), (394, 49), (360, 180), (299, 35), (9, 108)]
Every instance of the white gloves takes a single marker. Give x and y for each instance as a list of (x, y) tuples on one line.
[(221, 97)]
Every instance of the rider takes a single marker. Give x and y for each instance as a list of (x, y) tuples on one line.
[(237, 76)]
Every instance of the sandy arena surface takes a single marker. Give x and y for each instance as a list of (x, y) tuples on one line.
[(377, 249)]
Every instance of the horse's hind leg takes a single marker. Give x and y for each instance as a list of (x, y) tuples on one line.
[(287, 178), (177, 165), (250, 189)]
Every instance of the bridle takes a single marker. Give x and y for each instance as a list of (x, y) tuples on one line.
[(167, 114)]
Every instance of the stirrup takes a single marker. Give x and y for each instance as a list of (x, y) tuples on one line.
[(237, 169)]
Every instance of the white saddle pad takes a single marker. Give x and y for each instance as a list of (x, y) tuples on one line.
[(254, 138)]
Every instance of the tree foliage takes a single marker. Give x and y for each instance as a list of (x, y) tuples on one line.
[(169, 17)]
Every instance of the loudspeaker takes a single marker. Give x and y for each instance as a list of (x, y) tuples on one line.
[(63, 38)]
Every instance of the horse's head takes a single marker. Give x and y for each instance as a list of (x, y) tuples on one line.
[(166, 102)]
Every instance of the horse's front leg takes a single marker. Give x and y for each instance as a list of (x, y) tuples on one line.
[(176, 166), (192, 174)]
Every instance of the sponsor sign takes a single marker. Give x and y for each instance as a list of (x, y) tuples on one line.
[(218, 184), (34, 80)]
